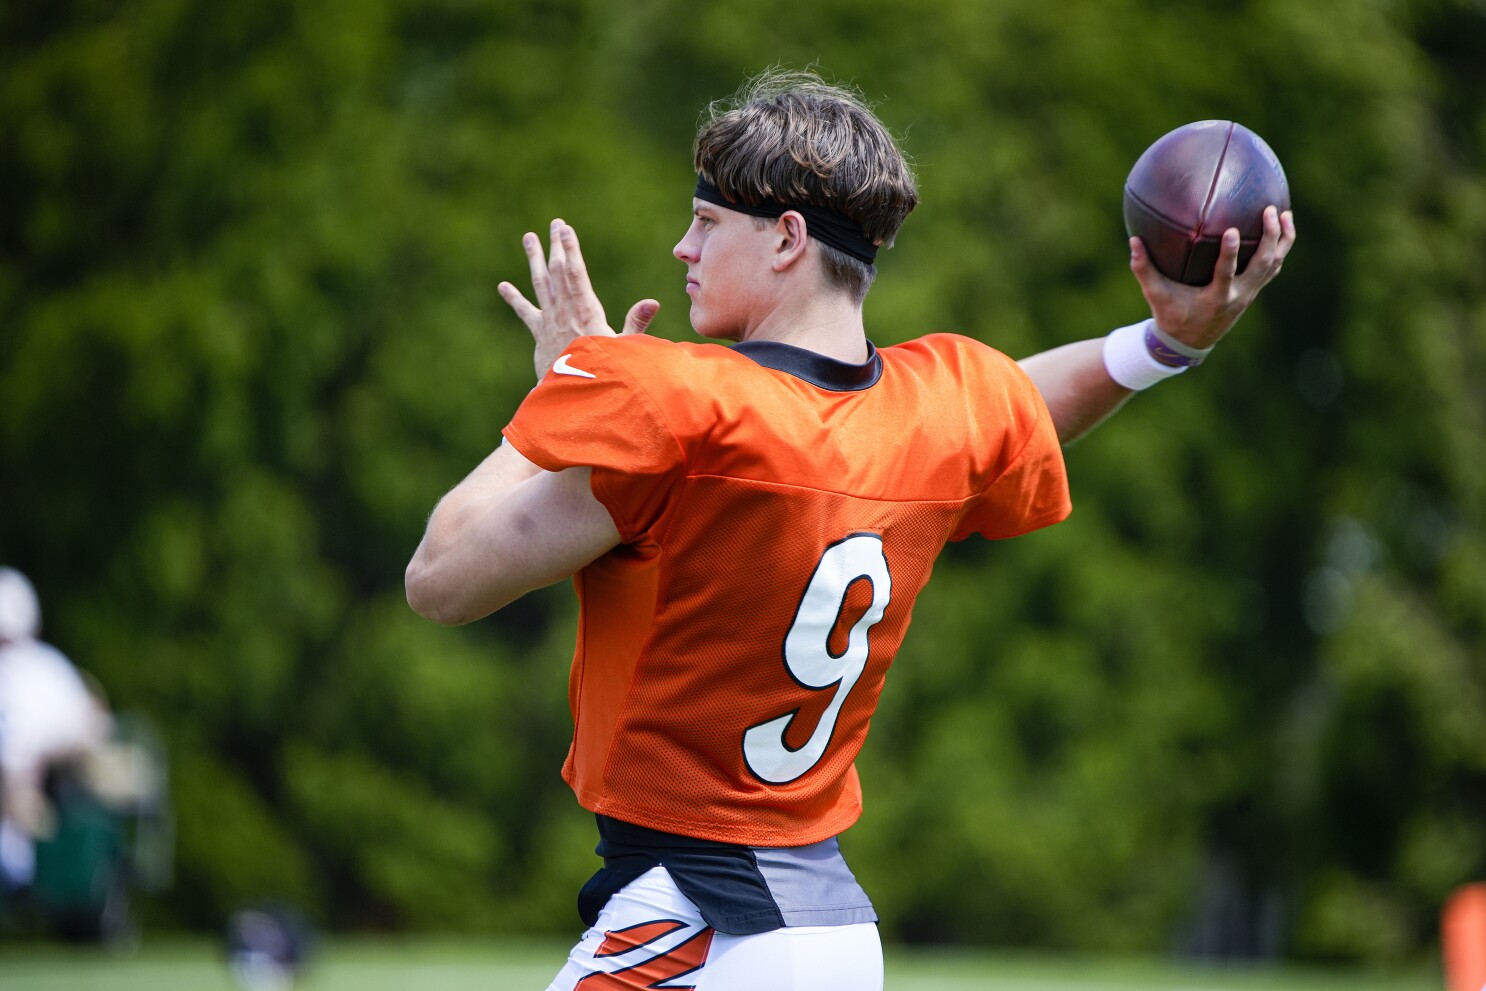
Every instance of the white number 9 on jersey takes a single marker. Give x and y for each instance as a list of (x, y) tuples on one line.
[(808, 658)]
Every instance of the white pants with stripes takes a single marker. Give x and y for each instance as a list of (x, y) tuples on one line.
[(650, 936)]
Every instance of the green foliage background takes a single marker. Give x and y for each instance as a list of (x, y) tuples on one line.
[(249, 334)]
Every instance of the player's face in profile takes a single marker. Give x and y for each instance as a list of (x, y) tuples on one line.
[(726, 258)]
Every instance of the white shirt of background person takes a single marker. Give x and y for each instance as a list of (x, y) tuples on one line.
[(47, 714)]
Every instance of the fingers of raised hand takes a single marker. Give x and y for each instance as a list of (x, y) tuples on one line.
[(1157, 288), (579, 288), (557, 268), (529, 314), (1284, 234), (1279, 236), (637, 321), (577, 272), (1140, 264), (540, 281), (1227, 265)]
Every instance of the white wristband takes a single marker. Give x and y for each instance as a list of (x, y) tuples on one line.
[(1130, 363)]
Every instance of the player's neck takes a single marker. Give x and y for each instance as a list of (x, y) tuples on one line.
[(830, 325)]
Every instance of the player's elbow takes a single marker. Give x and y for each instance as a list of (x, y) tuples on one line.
[(449, 600), (429, 598), (416, 587)]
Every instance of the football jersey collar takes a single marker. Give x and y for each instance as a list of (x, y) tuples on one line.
[(817, 369)]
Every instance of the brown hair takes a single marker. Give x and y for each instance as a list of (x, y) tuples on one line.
[(794, 138)]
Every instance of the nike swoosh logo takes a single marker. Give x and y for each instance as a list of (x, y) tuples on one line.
[(561, 367)]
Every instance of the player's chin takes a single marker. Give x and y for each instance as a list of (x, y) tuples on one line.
[(711, 329)]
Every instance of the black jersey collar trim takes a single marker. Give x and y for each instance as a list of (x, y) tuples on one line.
[(817, 369)]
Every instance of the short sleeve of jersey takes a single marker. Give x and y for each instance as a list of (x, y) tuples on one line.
[(592, 410), (1030, 489)]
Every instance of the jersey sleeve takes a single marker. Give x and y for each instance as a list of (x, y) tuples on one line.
[(1028, 488), (593, 410)]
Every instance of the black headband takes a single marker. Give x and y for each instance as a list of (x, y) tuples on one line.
[(826, 226)]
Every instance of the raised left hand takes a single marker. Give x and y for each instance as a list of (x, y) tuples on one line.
[(567, 307), (1199, 316)]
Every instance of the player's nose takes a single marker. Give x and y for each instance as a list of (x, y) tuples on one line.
[(686, 248)]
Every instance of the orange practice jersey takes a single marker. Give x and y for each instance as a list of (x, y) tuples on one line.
[(780, 512)]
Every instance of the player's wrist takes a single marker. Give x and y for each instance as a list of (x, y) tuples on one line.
[(1168, 350), (1140, 355)]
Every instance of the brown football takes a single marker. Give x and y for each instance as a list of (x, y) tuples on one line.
[(1192, 185)]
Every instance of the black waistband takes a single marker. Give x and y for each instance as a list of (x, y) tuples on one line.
[(617, 835), (722, 879)]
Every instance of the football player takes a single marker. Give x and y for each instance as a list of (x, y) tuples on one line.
[(748, 526)]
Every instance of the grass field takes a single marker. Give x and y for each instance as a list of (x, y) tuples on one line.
[(431, 965)]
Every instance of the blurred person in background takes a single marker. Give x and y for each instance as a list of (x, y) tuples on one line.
[(49, 717)]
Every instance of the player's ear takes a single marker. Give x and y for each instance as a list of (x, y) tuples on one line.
[(790, 246)]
